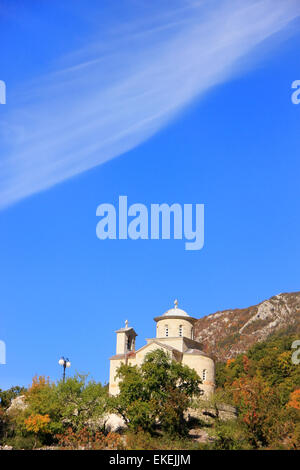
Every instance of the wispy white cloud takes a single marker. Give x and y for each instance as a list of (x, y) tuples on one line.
[(126, 84)]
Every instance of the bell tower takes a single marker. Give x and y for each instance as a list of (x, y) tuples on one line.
[(125, 339)]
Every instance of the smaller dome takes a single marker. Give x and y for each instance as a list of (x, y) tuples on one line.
[(175, 311)]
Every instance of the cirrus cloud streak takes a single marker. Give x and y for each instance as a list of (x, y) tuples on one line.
[(123, 87)]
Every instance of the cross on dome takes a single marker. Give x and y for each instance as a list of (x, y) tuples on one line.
[(175, 311)]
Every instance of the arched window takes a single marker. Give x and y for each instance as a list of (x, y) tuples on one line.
[(180, 330), (167, 330), (204, 375)]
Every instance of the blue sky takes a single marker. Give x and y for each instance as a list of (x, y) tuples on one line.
[(189, 105)]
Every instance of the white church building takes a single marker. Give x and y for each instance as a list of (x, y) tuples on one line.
[(174, 335)]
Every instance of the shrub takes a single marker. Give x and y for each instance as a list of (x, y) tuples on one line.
[(141, 440), (20, 442), (89, 440), (230, 436)]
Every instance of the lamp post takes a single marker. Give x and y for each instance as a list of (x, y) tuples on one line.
[(65, 363)]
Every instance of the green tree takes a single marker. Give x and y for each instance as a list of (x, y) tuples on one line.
[(82, 402), (159, 391)]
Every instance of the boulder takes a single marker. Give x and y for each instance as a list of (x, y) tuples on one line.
[(17, 404), (113, 423)]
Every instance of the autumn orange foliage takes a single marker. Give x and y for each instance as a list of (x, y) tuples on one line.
[(37, 423), (39, 382), (294, 400), (246, 363), (258, 407), (230, 361)]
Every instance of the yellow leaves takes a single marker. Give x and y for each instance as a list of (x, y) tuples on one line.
[(37, 423), (38, 395), (39, 382), (285, 362)]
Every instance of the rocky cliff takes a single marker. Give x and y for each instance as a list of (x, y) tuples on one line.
[(230, 332)]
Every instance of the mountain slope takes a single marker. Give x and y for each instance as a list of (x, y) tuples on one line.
[(230, 332)]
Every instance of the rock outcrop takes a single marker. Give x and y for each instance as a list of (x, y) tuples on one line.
[(17, 404), (228, 333)]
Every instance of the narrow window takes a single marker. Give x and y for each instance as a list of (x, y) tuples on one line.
[(204, 375), (180, 330), (129, 344), (167, 330)]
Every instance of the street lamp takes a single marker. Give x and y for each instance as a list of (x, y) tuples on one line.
[(65, 363)]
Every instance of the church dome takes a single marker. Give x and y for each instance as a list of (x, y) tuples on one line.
[(175, 311)]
